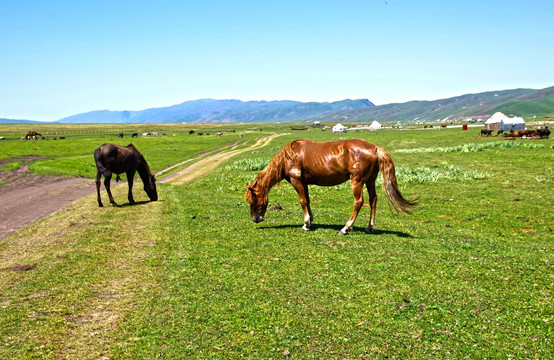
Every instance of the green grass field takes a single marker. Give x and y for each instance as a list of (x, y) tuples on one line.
[(469, 274)]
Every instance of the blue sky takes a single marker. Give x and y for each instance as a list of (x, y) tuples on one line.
[(60, 58)]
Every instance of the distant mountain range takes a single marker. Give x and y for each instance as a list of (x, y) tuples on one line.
[(221, 111), (520, 102)]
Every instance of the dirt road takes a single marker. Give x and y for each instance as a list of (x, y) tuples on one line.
[(26, 198)]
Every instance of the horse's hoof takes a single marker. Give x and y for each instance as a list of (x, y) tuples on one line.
[(100, 205), (305, 228), (368, 231), (341, 233)]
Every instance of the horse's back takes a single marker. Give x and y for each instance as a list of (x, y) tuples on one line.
[(333, 162), (116, 158)]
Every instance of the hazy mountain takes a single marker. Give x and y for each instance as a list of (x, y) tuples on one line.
[(218, 111), (15, 121)]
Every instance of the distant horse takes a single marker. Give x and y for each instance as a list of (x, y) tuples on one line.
[(32, 135), (486, 132), (499, 132), (134, 135), (543, 133), (524, 133), (120, 135), (305, 162), (114, 159)]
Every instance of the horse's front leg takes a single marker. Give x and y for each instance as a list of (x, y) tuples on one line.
[(130, 177), (357, 190), (304, 197), (107, 180)]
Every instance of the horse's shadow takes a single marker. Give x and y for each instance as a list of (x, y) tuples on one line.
[(337, 228), (142, 202)]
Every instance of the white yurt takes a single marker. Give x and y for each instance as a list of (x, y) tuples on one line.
[(375, 125), (339, 128), (493, 123)]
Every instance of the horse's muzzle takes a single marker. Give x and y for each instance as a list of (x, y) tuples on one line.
[(257, 219)]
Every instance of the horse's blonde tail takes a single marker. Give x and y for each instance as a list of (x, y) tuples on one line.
[(390, 185)]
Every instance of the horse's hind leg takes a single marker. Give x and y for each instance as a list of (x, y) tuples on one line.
[(358, 191), (98, 180), (107, 186), (370, 184)]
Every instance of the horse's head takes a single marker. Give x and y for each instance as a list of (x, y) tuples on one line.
[(258, 203), (150, 188)]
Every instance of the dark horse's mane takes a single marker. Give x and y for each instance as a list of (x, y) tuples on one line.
[(140, 158)]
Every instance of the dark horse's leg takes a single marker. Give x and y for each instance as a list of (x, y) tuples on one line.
[(358, 191), (370, 185), (107, 180), (304, 196), (98, 180), (130, 177)]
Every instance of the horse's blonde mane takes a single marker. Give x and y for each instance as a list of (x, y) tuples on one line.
[(271, 175)]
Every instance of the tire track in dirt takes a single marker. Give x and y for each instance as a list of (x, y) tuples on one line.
[(205, 165)]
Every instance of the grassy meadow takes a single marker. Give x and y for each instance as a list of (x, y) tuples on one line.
[(469, 274)]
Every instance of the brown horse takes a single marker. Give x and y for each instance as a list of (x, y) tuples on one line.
[(32, 135), (305, 162), (117, 159)]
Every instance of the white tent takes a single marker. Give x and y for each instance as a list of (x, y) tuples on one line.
[(493, 123), (339, 128), (499, 121), (375, 125), (515, 123)]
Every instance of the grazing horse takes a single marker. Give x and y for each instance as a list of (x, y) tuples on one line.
[(486, 132), (305, 162), (32, 135), (134, 135), (117, 159)]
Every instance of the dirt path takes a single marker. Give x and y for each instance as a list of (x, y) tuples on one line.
[(203, 166), (26, 198)]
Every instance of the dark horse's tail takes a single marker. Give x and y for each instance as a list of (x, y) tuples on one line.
[(99, 165), (386, 166)]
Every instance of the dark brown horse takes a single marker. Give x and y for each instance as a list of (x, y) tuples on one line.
[(114, 159), (305, 162), (543, 133)]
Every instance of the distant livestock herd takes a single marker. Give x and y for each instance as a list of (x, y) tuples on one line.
[(542, 133)]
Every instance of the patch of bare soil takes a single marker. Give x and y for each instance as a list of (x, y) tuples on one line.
[(26, 198)]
